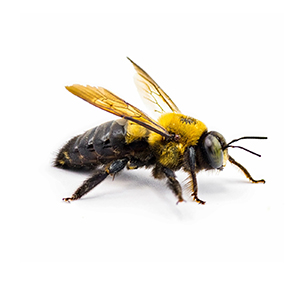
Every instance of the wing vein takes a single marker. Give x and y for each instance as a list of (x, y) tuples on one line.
[(109, 102), (147, 86)]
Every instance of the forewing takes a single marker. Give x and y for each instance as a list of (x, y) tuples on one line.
[(107, 101), (150, 91)]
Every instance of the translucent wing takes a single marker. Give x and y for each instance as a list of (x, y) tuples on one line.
[(150, 91), (106, 100)]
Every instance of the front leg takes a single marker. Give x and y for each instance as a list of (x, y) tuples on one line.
[(191, 168), (244, 170)]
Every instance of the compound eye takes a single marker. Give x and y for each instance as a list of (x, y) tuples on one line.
[(213, 151)]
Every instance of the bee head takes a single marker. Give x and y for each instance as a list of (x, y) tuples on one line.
[(214, 150)]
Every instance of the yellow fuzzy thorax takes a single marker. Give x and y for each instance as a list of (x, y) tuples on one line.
[(135, 132), (189, 131)]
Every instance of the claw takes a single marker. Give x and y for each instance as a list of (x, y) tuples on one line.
[(199, 201), (68, 199), (258, 181), (180, 200)]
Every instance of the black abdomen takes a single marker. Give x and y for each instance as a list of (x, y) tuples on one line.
[(100, 145)]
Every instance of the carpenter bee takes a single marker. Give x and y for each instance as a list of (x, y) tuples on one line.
[(174, 142)]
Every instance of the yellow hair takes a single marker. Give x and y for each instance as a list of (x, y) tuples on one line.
[(168, 153), (189, 131), (135, 132)]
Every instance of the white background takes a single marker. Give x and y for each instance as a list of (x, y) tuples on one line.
[(128, 238)]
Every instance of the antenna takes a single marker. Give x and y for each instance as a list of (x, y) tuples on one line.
[(244, 138)]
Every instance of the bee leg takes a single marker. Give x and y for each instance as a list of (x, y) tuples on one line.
[(173, 184), (97, 178), (191, 167), (195, 188), (244, 170), (160, 172)]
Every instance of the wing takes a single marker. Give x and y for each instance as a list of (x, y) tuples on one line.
[(106, 100), (151, 92)]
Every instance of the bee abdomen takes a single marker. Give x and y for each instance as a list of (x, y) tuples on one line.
[(70, 158), (98, 145)]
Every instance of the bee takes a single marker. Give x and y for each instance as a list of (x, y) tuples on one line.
[(135, 140)]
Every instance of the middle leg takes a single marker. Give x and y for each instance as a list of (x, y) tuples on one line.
[(160, 172)]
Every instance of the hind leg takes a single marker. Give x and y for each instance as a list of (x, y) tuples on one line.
[(97, 178)]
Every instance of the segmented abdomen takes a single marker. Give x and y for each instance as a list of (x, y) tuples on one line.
[(99, 145)]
